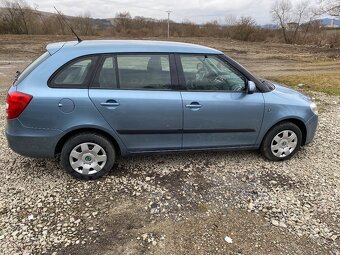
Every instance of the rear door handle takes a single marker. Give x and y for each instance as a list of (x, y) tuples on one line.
[(194, 105), (110, 103)]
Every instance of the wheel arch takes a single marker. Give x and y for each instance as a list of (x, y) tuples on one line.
[(101, 132), (301, 125)]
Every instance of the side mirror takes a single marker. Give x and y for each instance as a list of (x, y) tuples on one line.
[(251, 87)]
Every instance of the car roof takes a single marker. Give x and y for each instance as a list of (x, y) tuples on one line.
[(119, 46)]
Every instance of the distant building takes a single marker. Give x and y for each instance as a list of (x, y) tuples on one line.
[(291, 26)]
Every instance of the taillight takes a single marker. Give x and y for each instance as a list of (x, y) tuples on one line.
[(16, 104)]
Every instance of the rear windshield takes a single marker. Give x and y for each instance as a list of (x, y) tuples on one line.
[(30, 68)]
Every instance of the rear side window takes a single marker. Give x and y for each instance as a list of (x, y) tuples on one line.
[(144, 71), (30, 68), (75, 73)]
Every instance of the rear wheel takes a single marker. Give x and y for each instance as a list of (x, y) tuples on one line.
[(281, 142), (87, 156)]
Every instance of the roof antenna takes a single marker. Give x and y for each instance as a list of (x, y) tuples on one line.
[(78, 38)]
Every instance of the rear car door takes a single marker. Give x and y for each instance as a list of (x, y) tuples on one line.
[(134, 93), (217, 110)]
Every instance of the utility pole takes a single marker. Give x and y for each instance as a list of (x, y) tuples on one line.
[(168, 12)]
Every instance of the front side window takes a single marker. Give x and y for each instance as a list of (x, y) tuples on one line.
[(75, 73), (144, 72), (210, 73)]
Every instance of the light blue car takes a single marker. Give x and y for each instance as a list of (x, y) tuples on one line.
[(92, 101)]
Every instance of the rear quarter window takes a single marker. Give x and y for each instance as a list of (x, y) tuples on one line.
[(30, 68), (74, 74)]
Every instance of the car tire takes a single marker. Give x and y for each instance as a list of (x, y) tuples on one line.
[(87, 156), (281, 142)]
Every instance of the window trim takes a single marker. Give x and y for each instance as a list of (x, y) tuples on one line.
[(100, 62), (176, 72), (88, 79), (184, 87), (260, 87), (172, 65)]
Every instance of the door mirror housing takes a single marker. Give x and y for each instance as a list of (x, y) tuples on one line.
[(251, 87)]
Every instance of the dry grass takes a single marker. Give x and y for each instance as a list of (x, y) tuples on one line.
[(324, 82), (335, 63)]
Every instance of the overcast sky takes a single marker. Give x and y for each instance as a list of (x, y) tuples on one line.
[(194, 10)]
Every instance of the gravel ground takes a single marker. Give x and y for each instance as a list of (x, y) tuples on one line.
[(179, 203), (192, 203)]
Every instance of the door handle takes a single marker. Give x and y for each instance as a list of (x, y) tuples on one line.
[(194, 105), (110, 103)]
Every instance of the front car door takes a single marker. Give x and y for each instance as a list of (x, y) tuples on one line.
[(135, 95), (217, 110)]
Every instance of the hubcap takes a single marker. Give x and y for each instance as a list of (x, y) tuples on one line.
[(284, 143), (88, 158)]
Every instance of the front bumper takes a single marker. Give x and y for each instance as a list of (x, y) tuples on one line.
[(311, 127), (32, 142)]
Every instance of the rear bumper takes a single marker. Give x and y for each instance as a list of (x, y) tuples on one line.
[(31, 142), (311, 127)]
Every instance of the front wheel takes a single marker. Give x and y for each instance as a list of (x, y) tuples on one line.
[(87, 156), (281, 142)]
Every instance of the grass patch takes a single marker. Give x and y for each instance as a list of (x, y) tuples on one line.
[(324, 82)]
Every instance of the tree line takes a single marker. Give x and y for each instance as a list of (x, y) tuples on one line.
[(18, 17), (296, 23)]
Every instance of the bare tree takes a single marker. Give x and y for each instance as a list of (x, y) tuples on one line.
[(330, 7), (281, 12), (290, 18), (212, 28), (83, 24), (187, 28), (45, 28), (60, 18), (23, 11), (122, 22), (244, 29), (17, 15), (302, 14)]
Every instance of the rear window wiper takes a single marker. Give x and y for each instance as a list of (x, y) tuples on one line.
[(17, 74)]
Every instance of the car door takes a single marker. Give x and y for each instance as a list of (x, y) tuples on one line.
[(135, 95), (217, 110)]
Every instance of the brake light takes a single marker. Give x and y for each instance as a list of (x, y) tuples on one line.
[(16, 104)]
